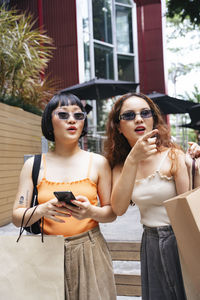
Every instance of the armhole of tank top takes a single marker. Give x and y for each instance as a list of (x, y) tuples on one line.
[(89, 166), (44, 165), (163, 159)]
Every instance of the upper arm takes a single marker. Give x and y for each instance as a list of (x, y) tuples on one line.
[(116, 172), (25, 187), (181, 174), (104, 180)]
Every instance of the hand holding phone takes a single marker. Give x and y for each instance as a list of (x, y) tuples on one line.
[(65, 196)]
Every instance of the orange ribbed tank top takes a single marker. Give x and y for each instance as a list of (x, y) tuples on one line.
[(85, 187)]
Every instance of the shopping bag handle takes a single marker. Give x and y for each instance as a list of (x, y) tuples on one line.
[(22, 228), (193, 172)]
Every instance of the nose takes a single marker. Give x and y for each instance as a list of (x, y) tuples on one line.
[(71, 119), (138, 118)]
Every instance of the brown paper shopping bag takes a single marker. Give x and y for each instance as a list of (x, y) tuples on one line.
[(184, 214), (31, 269)]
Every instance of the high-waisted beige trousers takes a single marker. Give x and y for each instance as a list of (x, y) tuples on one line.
[(88, 268)]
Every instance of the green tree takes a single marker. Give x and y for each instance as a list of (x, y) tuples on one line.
[(24, 56), (179, 30), (194, 96), (176, 28), (186, 9)]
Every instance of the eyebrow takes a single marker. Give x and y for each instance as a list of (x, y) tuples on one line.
[(131, 110)]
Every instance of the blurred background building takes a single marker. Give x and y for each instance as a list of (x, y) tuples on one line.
[(111, 39)]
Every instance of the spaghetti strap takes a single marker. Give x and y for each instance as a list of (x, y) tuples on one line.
[(89, 166), (44, 163), (163, 158)]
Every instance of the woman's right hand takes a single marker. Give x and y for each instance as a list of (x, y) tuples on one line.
[(194, 150), (144, 147), (53, 209)]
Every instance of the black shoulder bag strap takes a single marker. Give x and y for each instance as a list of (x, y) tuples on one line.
[(35, 228), (35, 172)]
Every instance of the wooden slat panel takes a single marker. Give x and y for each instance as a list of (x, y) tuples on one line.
[(20, 134), (126, 284), (34, 131), (14, 135), (18, 123), (129, 251), (7, 200), (128, 290), (128, 279), (124, 246), (125, 255), (9, 173), (6, 214), (9, 118), (20, 113), (6, 207), (5, 221), (8, 187), (12, 141), (10, 168), (9, 180), (21, 148), (4, 195), (10, 154), (7, 160)]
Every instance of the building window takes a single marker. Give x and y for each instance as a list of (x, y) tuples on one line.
[(103, 61), (102, 20), (124, 29), (109, 39), (126, 67)]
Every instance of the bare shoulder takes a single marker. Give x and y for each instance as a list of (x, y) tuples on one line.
[(100, 160), (176, 153), (28, 165), (26, 171)]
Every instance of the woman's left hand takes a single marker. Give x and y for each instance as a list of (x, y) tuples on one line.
[(83, 209)]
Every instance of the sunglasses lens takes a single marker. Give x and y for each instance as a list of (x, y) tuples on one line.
[(128, 116), (79, 116), (63, 115), (147, 113)]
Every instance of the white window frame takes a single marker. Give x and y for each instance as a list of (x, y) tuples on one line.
[(112, 46)]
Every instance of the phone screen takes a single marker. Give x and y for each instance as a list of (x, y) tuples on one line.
[(65, 196)]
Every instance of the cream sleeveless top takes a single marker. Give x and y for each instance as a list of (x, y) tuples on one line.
[(149, 194)]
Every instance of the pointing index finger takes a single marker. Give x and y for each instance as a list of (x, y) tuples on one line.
[(150, 134)]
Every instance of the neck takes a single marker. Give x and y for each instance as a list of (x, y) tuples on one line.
[(66, 150)]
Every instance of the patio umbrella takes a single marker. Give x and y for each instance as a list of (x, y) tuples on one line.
[(98, 88), (170, 105), (194, 113)]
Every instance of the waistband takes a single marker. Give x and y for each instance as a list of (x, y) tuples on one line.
[(159, 231), (83, 237)]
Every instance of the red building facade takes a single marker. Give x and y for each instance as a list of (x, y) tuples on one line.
[(60, 19)]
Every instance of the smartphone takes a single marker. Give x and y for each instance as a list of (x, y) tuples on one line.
[(65, 196)]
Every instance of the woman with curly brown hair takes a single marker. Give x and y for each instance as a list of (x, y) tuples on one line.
[(148, 168)]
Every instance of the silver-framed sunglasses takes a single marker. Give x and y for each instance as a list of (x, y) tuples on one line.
[(130, 115), (78, 116)]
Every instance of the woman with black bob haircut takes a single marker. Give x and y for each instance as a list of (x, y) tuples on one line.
[(88, 265), (61, 99)]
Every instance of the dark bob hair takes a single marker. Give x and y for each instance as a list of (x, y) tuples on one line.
[(60, 99)]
